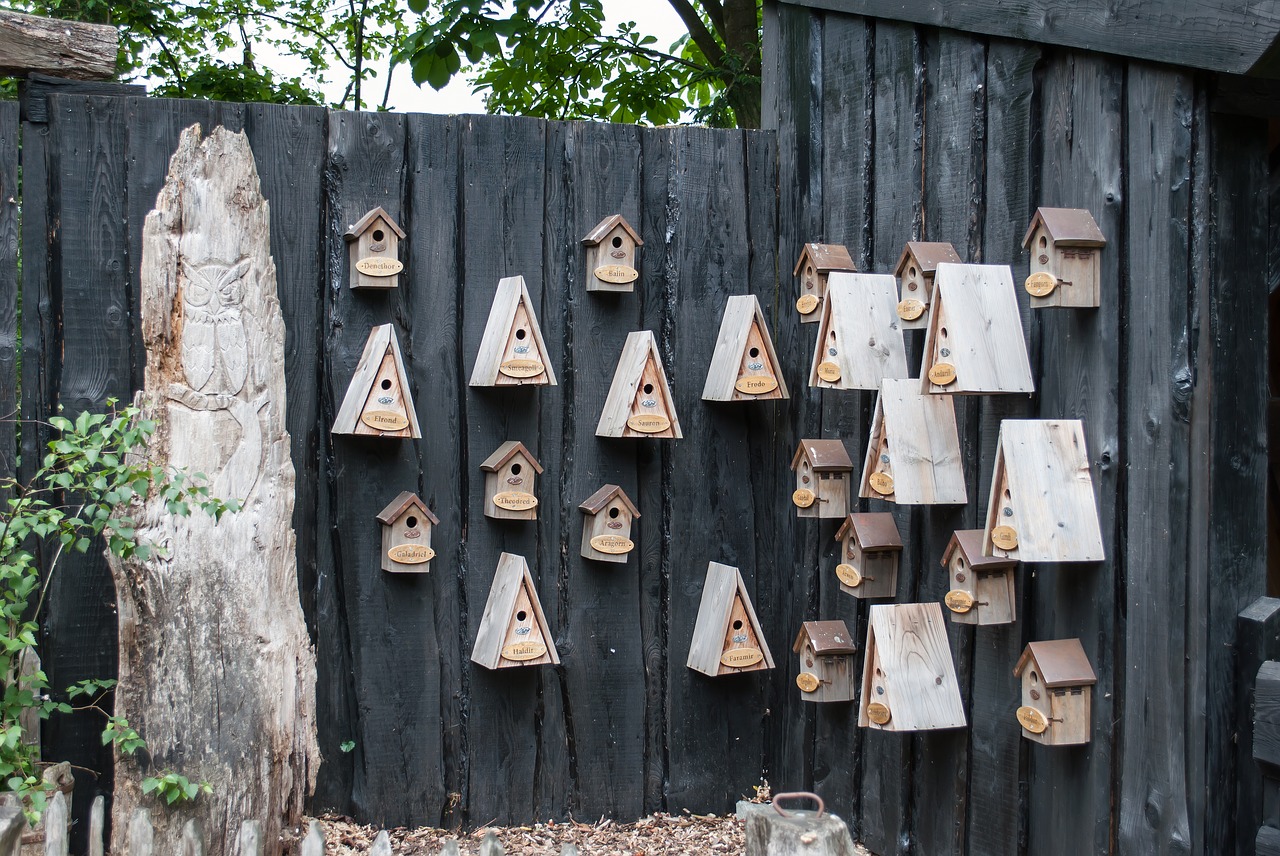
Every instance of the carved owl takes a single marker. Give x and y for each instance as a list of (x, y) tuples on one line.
[(215, 355)]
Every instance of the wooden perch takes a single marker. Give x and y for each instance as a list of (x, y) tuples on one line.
[(62, 48)]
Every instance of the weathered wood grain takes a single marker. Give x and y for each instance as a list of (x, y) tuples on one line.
[(74, 49), (9, 294), (859, 333)]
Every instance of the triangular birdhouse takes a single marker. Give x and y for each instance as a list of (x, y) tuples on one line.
[(1066, 258), (915, 270), (510, 481), (913, 454), (827, 670), (513, 630), (727, 638), (373, 249), (512, 351), (908, 677), (982, 587), (612, 247), (1042, 506), (639, 403), (606, 527), (406, 535), (870, 550), (824, 476), (859, 342), (816, 263), (744, 366), (1057, 688), (378, 402), (975, 342)]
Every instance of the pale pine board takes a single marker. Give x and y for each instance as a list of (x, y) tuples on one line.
[(976, 307), (861, 308)]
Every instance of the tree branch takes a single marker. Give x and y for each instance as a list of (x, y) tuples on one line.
[(702, 37)]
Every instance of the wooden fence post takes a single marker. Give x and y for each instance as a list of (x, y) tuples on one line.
[(55, 825), (1257, 640), (97, 826)]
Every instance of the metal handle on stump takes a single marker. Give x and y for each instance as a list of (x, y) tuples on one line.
[(822, 807)]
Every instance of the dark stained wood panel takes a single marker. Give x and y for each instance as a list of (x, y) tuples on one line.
[(8, 294)]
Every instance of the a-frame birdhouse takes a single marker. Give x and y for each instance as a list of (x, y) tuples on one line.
[(908, 677), (916, 268), (373, 250), (1042, 507), (1066, 258), (816, 263), (378, 402), (612, 247), (727, 638), (827, 671), (606, 525), (870, 549), (513, 630), (406, 535), (982, 587), (1057, 689), (974, 342), (512, 351), (913, 454), (744, 366), (824, 476), (860, 341), (639, 403), (511, 475)]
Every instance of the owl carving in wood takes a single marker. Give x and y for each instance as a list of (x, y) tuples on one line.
[(215, 354)]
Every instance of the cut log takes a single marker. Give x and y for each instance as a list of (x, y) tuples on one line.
[(55, 825), (800, 834), (64, 48), (97, 827)]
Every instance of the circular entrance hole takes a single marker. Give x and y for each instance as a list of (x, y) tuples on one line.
[(754, 352), (737, 624), (378, 235), (515, 469), (617, 241), (613, 512), (648, 389), (521, 615), (386, 383), (520, 334), (411, 522)]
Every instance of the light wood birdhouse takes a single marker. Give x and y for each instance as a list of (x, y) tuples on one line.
[(913, 453), (606, 526), (915, 270), (823, 479), (727, 638), (859, 341), (974, 342), (908, 677), (816, 263), (513, 631), (1057, 688), (406, 535), (378, 402), (373, 250), (1066, 251), (639, 403), (870, 548), (744, 366), (510, 481), (612, 247), (512, 351), (827, 670), (982, 587)]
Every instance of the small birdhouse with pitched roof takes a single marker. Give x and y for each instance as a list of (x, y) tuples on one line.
[(974, 343), (859, 342), (373, 249), (1057, 690), (1066, 258), (823, 476), (606, 528), (511, 475), (870, 548), (744, 366), (816, 263), (639, 403), (915, 270), (513, 630), (827, 671), (913, 453), (727, 638), (512, 351), (612, 247), (908, 677), (378, 403), (1042, 507), (982, 587), (406, 535)]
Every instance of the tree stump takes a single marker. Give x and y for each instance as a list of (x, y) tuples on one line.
[(801, 833)]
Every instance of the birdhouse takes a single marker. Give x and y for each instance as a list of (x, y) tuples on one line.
[(744, 366), (1042, 507), (511, 475), (915, 270), (1066, 266), (378, 402), (982, 587), (827, 670), (974, 342), (727, 638), (913, 454), (1057, 682), (823, 474), (513, 630), (512, 352), (612, 247), (859, 341), (639, 403), (908, 678), (406, 535), (606, 529), (870, 548), (373, 249), (816, 263)]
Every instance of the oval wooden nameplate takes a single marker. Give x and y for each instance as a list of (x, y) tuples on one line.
[(1041, 284), (958, 600), (848, 575), (755, 384), (521, 651), (619, 274), (1005, 537), (910, 309), (740, 658), (1032, 720), (805, 305), (881, 483), (411, 554), (515, 500), (614, 545), (807, 682), (522, 368), (384, 420), (649, 423), (942, 374), (829, 371), (377, 266), (803, 498), (878, 713)]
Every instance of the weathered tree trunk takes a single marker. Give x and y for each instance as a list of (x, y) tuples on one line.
[(216, 670)]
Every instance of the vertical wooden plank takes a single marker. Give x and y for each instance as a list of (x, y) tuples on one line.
[(1258, 640), (8, 293)]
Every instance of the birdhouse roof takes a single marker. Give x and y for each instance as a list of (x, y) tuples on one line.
[(607, 225), (909, 641), (825, 258), (363, 224), (1068, 227), (825, 456), (975, 308), (400, 505), (969, 542), (826, 637), (595, 503), (861, 312), (1062, 663), (503, 454), (924, 446), (928, 255), (878, 531)]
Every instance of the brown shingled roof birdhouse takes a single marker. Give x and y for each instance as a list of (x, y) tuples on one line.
[(870, 548), (727, 638), (606, 525), (982, 587), (744, 366), (915, 270), (612, 247), (908, 677), (513, 630), (512, 350), (511, 475), (860, 339), (378, 403), (823, 475), (913, 453), (639, 403), (373, 249), (827, 669), (815, 264), (1057, 688), (1066, 258), (406, 535)]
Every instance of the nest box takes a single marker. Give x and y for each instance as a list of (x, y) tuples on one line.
[(406, 535), (513, 630), (511, 475), (606, 528), (1042, 507), (982, 587), (827, 670), (639, 403), (859, 341), (816, 263), (974, 342), (727, 638), (823, 475), (1057, 682), (915, 270), (512, 351), (1066, 267), (744, 366), (870, 548), (378, 402), (908, 678), (913, 454), (373, 249), (612, 247)]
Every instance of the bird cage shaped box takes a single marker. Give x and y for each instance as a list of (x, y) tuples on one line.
[(406, 535), (512, 350), (827, 670), (870, 549), (639, 403), (513, 630), (982, 587), (823, 475), (612, 247), (744, 366), (915, 270), (606, 525), (378, 403), (1057, 688), (1066, 258), (373, 249), (511, 476), (908, 677), (816, 263), (727, 639), (860, 340)]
